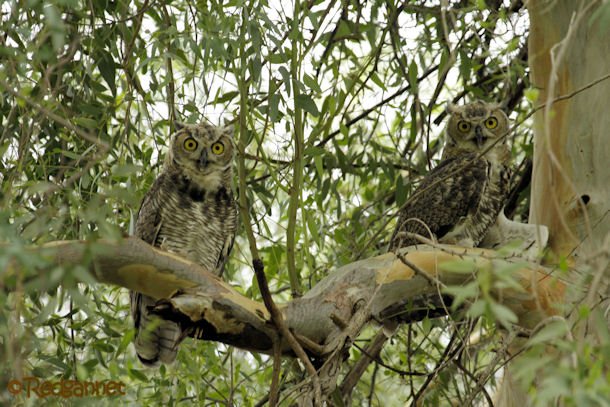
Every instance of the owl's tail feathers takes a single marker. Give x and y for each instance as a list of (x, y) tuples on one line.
[(156, 339)]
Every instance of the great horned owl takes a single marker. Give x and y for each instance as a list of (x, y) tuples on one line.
[(189, 210), (461, 198)]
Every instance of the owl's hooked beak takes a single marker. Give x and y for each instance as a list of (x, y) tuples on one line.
[(203, 158), (480, 138)]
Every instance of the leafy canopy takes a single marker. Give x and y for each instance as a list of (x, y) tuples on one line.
[(342, 104)]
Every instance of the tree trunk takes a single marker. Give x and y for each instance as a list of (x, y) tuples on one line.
[(569, 58)]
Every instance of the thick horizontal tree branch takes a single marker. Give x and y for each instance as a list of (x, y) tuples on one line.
[(201, 302)]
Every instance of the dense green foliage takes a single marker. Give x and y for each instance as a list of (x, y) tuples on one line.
[(338, 106)]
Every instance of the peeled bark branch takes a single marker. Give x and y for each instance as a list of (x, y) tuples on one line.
[(198, 299)]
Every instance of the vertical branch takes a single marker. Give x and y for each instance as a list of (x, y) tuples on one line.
[(274, 391), (295, 190), (171, 87), (232, 371), (243, 84), (276, 314)]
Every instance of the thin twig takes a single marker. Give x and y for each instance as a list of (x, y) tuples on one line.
[(380, 362), (490, 370), (64, 122), (310, 345), (376, 106), (276, 315), (468, 373), (432, 280), (446, 357), (171, 87)]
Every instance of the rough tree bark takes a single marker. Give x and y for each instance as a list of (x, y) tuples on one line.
[(569, 58)]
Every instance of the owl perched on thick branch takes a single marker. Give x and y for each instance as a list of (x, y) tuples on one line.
[(460, 199), (189, 210)]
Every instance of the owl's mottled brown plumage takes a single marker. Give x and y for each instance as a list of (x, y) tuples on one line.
[(461, 198), (189, 210)]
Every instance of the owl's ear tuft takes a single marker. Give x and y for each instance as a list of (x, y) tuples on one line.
[(451, 108), (178, 125), (229, 130)]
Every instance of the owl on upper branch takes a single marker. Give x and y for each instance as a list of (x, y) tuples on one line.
[(190, 211), (460, 199)]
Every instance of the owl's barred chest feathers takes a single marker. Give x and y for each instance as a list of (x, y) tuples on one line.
[(195, 222), (493, 179), (456, 202)]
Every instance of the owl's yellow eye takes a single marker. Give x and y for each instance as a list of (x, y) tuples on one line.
[(463, 126), (218, 148), (190, 144), (491, 123)]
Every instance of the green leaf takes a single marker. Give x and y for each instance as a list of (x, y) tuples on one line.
[(86, 122), (274, 102), (531, 94), (103, 346), (503, 314), (401, 191), (138, 374), (318, 161), (306, 103), (462, 293), (56, 25), (314, 151), (311, 83), (413, 77), (477, 308), (226, 97), (312, 226), (124, 170), (107, 69), (255, 68), (344, 30), (375, 78), (278, 58), (465, 266), (549, 333)]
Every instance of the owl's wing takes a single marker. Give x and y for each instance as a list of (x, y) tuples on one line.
[(149, 219), (156, 339), (445, 197), (230, 240)]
